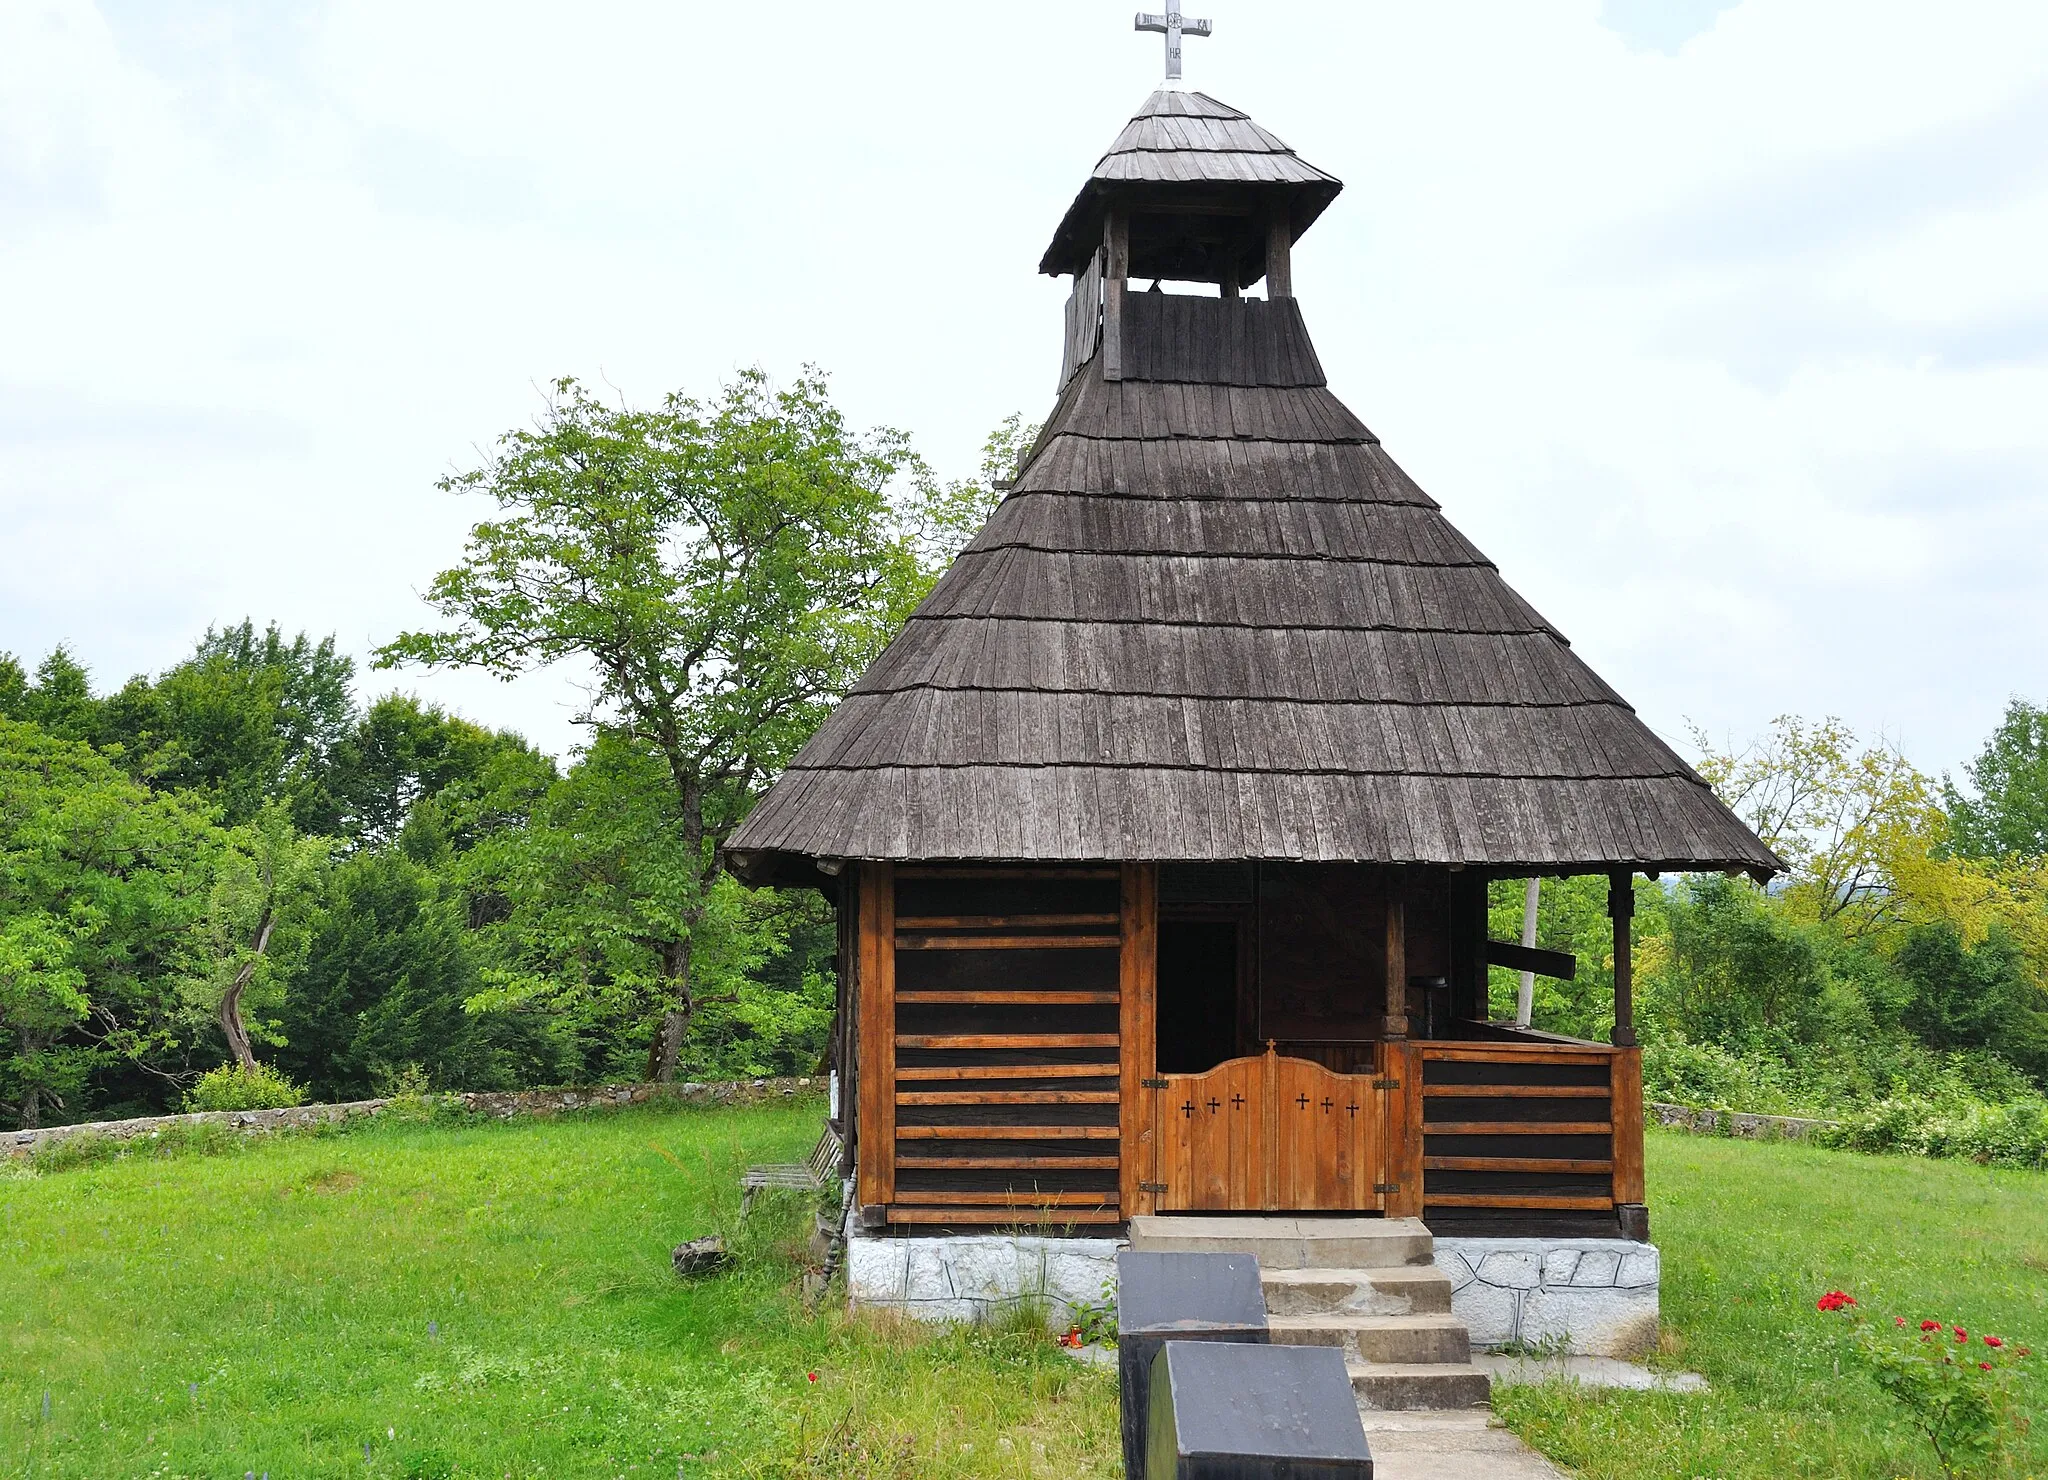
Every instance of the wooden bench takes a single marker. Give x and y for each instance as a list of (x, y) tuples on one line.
[(806, 1176)]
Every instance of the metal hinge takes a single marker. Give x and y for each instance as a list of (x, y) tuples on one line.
[(1153, 1083), (1386, 1187), (1151, 1187), (1386, 1084)]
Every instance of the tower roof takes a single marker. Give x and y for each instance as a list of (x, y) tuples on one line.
[(1187, 154), (1215, 620)]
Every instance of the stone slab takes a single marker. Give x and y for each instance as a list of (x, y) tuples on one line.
[(1598, 1372)]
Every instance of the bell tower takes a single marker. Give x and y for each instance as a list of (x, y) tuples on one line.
[(1191, 191)]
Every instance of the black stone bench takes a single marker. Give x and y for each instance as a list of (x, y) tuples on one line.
[(1176, 1297), (1223, 1411)]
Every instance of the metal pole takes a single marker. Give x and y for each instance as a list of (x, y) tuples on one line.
[(1525, 995)]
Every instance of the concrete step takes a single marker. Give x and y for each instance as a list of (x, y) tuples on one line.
[(1399, 1290), (1404, 1385), (1427, 1340), (1283, 1242)]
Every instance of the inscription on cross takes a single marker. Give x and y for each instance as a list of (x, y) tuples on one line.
[(1173, 25)]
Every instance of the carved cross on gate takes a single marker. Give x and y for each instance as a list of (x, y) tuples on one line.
[(1214, 1105), (1353, 1109), (1237, 1102), (1302, 1100), (1173, 25), (1327, 1102), (1188, 1108)]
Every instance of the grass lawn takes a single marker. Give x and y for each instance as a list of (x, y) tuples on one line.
[(495, 1300), (1752, 1235), (433, 1300)]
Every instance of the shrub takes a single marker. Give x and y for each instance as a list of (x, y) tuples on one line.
[(1956, 1389), (230, 1087), (2012, 1135)]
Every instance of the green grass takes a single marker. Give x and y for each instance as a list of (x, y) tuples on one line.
[(1752, 1235), (436, 1300), (495, 1300)]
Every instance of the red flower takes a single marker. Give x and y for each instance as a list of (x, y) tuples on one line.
[(812, 1376), (1834, 1300), (1994, 1341), (1985, 1365), (1930, 1326), (1898, 1320), (1961, 1334)]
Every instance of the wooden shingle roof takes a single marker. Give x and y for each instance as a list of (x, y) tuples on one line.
[(1213, 620), (1178, 147)]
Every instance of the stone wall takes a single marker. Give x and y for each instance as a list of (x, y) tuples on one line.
[(973, 1277), (500, 1105), (1734, 1123), (1591, 1297)]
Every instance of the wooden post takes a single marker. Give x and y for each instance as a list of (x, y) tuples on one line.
[(1400, 1066), (1395, 1024), (1228, 286), (1280, 256), (875, 1156), (1138, 1040), (1625, 1102), (1621, 905), (1116, 250)]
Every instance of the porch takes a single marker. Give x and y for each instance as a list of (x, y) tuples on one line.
[(1062, 1048)]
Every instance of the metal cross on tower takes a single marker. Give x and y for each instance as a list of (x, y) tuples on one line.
[(1174, 26)]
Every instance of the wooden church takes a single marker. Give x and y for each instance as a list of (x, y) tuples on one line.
[(1162, 833)]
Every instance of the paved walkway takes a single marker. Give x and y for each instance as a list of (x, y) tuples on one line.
[(1450, 1444)]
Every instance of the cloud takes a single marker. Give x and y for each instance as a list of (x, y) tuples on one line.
[(1721, 328)]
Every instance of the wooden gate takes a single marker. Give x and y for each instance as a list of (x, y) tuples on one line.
[(1268, 1133)]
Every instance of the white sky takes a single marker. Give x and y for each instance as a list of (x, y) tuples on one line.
[(1722, 328)]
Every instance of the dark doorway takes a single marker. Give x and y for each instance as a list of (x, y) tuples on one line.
[(1197, 994)]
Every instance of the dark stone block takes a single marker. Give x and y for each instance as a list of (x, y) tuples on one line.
[(1221, 1412), (1178, 1297), (700, 1257)]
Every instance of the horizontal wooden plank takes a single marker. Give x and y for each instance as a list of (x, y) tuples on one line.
[(1009, 1163), (1006, 1133), (1513, 1164), (1015, 1198), (1517, 1128), (1002, 1216), (1006, 1040), (1515, 1200), (1515, 1053), (1007, 1097), (997, 922), (1518, 1091), (928, 1072), (1024, 871), (1042, 999), (1007, 942), (1560, 964)]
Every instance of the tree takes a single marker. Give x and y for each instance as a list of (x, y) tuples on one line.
[(387, 967), (403, 752), (265, 874), (101, 885), (59, 702), (2008, 817), (1847, 816), (725, 568), (249, 718)]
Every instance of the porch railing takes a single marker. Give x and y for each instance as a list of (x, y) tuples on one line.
[(1506, 1127)]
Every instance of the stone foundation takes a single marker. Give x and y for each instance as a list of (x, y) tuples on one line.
[(974, 1277), (1591, 1297)]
